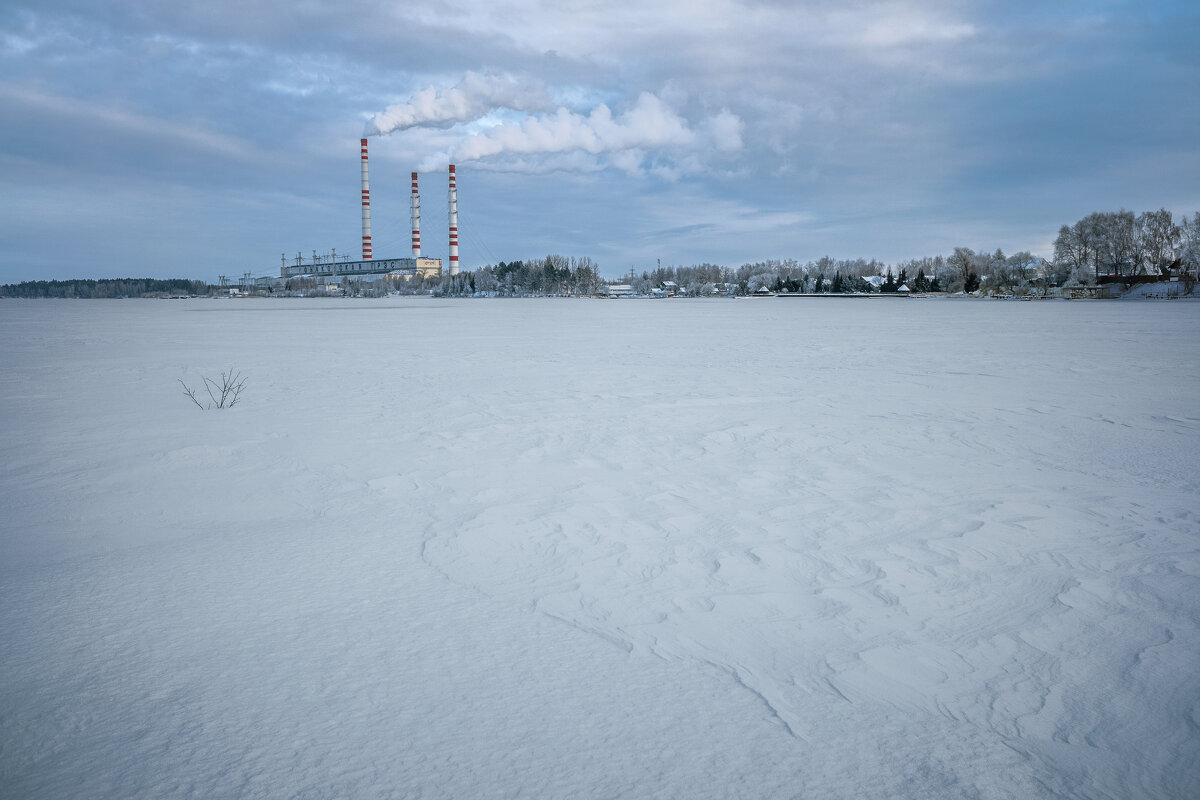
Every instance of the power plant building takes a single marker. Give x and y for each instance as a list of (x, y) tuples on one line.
[(329, 267), (403, 267)]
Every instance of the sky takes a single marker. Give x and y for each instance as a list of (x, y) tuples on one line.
[(143, 138)]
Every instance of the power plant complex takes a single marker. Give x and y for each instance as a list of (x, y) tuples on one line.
[(328, 266)]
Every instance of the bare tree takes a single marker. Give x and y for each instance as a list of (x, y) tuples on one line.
[(1159, 237), (224, 394), (1189, 251), (962, 273), (1078, 247), (1117, 250)]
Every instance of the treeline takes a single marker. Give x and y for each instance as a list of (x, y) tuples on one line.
[(1120, 244), (553, 276), (105, 288), (825, 275), (1099, 247)]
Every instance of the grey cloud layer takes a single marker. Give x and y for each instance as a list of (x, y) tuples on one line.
[(648, 128), (866, 127)]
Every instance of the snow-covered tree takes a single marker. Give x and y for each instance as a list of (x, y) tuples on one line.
[(1189, 249), (760, 281), (961, 271), (1158, 238)]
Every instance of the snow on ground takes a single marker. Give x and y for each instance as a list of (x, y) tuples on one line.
[(573, 548)]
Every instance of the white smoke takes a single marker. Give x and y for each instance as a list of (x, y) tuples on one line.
[(462, 125), (471, 99), (649, 132), (649, 124)]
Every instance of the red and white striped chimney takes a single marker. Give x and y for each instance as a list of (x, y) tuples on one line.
[(366, 207), (416, 219), (453, 224)]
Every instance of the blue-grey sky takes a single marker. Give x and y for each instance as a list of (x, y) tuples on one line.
[(150, 138)]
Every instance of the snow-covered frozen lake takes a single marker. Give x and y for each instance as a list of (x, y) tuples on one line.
[(575, 548)]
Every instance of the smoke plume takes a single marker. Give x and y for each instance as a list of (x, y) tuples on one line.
[(471, 99), (650, 135)]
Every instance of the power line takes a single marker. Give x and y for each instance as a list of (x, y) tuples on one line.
[(479, 243)]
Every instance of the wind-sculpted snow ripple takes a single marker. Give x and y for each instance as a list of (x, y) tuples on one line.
[(564, 549), (845, 580)]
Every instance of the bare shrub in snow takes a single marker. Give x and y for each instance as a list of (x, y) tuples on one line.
[(222, 394)]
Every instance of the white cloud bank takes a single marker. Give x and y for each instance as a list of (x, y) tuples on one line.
[(649, 132)]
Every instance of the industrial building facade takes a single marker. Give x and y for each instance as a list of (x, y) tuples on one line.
[(407, 267), (417, 266)]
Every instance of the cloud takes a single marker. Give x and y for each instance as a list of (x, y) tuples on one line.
[(474, 97), (902, 25), (648, 135), (89, 118), (726, 131), (903, 125)]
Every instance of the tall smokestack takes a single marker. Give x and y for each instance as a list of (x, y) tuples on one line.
[(366, 206), (416, 219), (453, 224)]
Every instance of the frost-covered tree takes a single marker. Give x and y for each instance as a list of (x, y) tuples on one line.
[(485, 281), (987, 263), (1075, 247), (585, 276), (1189, 249), (961, 275), (1022, 270), (760, 280), (1118, 244), (1009, 275), (1117, 247), (1158, 238)]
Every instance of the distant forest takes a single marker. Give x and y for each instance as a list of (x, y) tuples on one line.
[(1104, 247), (105, 288)]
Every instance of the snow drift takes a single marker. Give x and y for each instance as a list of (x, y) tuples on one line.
[(579, 548)]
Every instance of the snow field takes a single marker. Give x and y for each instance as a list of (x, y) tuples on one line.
[(754, 548)]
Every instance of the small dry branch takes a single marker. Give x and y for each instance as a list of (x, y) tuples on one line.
[(222, 394)]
